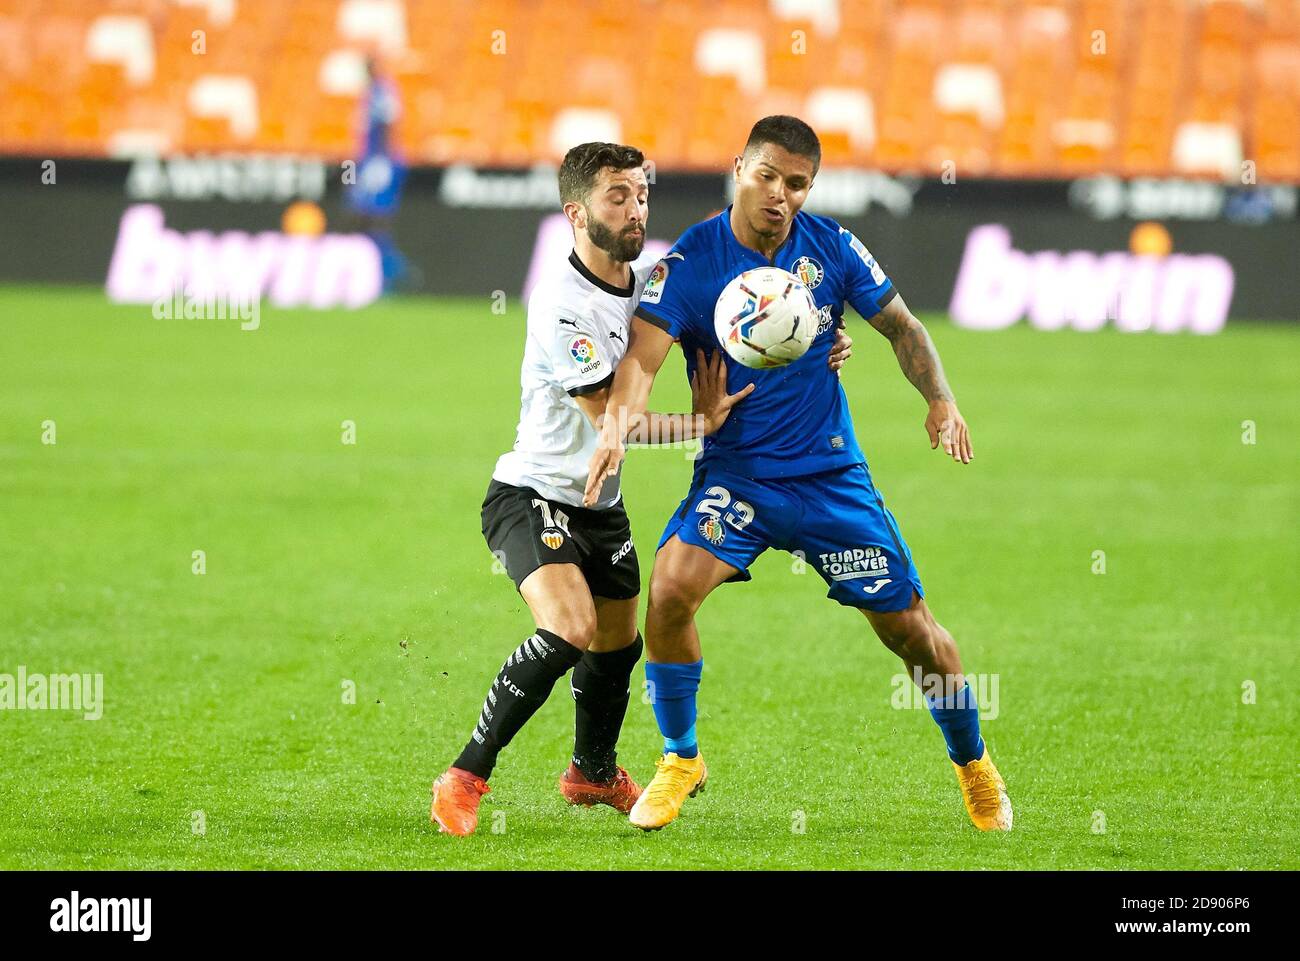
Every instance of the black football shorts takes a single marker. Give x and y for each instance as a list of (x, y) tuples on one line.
[(525, 530)]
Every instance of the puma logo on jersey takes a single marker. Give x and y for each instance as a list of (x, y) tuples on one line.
[(571, 323), (616, 335)]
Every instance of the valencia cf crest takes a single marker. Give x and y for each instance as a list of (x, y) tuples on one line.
[(808, 271), (552, 538)]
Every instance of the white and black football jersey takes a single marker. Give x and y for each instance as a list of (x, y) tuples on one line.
[(577, 334)]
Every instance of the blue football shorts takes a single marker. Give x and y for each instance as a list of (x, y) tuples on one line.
[(836, 521)]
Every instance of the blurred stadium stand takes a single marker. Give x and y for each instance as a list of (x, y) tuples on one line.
[(1012, 88)]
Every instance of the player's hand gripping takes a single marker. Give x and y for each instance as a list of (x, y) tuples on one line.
[(842, 349), (946, 426), (606, 460), (709, 397)]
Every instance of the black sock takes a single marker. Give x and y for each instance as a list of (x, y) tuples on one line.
[(600, 693), (521, 687)]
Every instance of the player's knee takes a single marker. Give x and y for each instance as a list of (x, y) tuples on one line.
[(577, 626), (893, 639), (922, 643), (673, 599), (941, 640), (907, 636), (580, 633), (613, 638)]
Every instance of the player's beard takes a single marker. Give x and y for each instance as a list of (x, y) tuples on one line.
[(623, 246)]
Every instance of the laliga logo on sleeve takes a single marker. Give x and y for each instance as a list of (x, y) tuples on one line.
[(864, 254), (583, 352), (581, 349), (654, 284)]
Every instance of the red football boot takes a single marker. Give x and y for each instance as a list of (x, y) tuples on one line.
[(456, 794), (620, 792)]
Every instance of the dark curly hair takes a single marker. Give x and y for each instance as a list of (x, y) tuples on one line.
[(584, 162)]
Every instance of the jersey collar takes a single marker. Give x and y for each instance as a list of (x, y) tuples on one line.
[(591, 278), (731, 236)]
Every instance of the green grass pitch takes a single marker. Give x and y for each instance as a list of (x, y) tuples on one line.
[(1121, 694)]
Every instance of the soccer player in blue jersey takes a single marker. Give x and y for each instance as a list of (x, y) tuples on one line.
[(380, 174), (786, 470)]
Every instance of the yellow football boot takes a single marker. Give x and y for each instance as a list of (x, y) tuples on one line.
[(985, 794), (676, 779)]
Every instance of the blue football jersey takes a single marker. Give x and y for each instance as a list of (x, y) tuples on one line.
[(797, 420)]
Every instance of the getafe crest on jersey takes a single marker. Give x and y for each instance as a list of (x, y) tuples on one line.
[(808, 271)]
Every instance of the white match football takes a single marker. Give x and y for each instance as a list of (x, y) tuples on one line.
[(766, 317)]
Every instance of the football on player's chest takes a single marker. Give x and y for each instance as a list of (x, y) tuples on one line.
[(810, 273)]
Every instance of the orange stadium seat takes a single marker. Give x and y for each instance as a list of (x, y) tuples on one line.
[(1227, 22), (960, 139), (1281, 19), (980, 34), (1275, 138), (1023, 88)]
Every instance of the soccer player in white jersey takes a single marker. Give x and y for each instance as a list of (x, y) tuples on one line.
[(575, 567)]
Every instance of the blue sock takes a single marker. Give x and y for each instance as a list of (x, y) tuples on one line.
[(672, 695), (958, 716)]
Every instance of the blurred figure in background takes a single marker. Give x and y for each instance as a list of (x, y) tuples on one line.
[(379, 177)]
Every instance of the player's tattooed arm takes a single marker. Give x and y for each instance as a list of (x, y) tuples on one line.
[(919, 360), (915, 350)]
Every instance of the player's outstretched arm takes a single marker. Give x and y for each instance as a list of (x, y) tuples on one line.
[(628, 395), (711, 405), (919, 360)]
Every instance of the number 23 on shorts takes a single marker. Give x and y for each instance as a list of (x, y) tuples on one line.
[(717, 506)]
